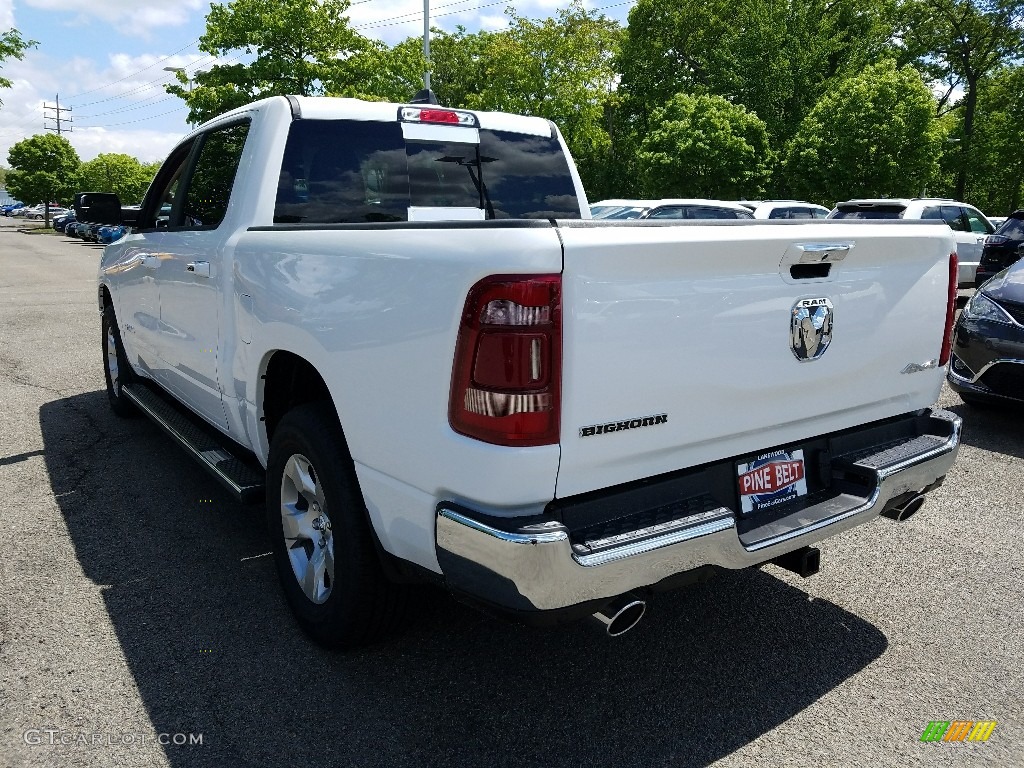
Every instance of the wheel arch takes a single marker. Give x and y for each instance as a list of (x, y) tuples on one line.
[(288, 380)]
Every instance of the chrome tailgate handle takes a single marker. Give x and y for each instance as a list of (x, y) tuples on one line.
[(823, 253)]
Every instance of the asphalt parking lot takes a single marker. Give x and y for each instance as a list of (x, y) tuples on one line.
[(139, 606)]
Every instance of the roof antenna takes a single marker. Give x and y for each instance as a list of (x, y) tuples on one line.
[(424, 96)]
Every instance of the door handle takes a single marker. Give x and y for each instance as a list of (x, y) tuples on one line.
[(199, 268)]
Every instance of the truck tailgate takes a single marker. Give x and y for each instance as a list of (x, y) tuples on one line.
[(680, 347)]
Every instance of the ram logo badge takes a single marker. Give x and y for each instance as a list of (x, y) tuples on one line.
[(618, 426), (810, 328)]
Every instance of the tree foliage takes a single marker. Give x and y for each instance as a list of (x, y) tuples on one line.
[(960, 43), (703, 146), (870, 135), (13, 46), (774, 58), (996, 181), (43, 167), (121, 174), (296, 47)]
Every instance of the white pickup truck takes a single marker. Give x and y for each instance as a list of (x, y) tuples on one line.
[(396, 324)]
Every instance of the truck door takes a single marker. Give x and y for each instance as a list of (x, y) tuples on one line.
[(193, 278)]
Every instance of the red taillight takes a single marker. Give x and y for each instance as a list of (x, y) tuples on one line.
[(947, 339), (439, 116), (508, 361)]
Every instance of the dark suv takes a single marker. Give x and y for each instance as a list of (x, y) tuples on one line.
[(1002, 248)]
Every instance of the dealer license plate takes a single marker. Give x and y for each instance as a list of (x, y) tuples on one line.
[(771, 479)]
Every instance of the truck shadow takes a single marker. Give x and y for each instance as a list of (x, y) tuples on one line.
[(992, 427), (213, 650)]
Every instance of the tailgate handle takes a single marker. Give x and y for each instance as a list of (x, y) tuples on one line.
[(823, 253)]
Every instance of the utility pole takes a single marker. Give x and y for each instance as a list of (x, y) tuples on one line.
[(426, 43), (57, 109)]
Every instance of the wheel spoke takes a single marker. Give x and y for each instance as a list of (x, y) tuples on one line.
[(298, 471), (306, 529), (296, 523)]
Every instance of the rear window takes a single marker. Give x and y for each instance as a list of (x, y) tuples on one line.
[(869, 212), (352, 171), (1012, 228)]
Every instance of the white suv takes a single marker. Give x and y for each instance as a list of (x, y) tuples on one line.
[(969, 225)]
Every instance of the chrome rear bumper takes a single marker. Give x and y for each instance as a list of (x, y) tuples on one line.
[(539, 567)]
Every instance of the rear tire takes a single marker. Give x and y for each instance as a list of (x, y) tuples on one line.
[(116, 369), (320, 535)]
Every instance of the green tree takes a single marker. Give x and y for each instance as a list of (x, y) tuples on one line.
[(996, 181), (43, 167), (13, 46), (773, 58), (703, 146), (961, 42), (121, 174), (872, 135), (296, 47)]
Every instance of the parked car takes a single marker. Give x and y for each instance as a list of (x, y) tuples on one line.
[(8, 209), (1003, 248), (969, 225), (678, 209), (110, 234), (602, 208), (988, 343), (785, 209), (61, 221)]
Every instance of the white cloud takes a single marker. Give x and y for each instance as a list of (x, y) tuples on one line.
[(129, 116), (6, 15), (129, 16)]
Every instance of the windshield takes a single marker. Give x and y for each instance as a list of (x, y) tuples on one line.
[(352, 171)]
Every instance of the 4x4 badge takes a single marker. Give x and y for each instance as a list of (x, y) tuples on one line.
[(810, 328)]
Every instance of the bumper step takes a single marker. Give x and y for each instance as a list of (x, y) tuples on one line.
[(240, 475)]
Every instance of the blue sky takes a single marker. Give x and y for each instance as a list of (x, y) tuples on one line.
[(106, 59)]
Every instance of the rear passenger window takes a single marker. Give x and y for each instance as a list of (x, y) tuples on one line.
[(1012, 228), (667, 213)]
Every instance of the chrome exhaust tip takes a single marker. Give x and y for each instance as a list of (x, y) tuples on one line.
[(906, 510), (621, 615)]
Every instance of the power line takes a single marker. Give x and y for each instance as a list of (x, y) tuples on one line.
[(140, 120), (416, 17), (137, 72)]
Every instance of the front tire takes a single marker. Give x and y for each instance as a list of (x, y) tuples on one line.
[(320, 535), (116, 368)]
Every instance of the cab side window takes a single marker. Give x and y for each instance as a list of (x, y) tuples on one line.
[(209, 187)]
